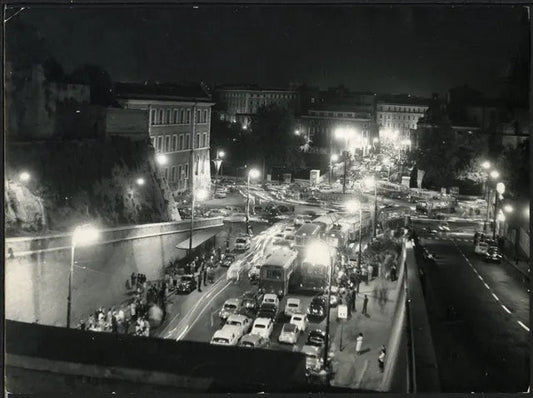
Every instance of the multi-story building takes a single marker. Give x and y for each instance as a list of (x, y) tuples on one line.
[(179, 128), (239, 103), (397, 117), (321, 123)]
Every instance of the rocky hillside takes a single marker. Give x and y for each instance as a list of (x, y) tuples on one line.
[(73, 182)]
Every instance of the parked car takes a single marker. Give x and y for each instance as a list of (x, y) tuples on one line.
[(254, 341), (231, 306), (220, 194), (293, 306), (493, 255), (316, 337), (228, 335), (263, 327), (187, 284), (289, 334), (243, 323), (228, 259), (313, 358), (481, 248), (317, 307), (300, 320)]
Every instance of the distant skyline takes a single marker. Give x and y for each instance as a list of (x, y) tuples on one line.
[(415, 50)]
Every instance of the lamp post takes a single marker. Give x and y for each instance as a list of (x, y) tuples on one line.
[(83, 235), (201, 194), (352, 206), (252, 173), (500, 189), (371, 181), (332, 159), (344, 133), (486, 166), (218, 165)]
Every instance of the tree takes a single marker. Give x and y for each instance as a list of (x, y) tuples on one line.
[(515, 169), (273, 141)]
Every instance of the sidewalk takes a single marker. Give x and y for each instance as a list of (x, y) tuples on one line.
[(362, 372)]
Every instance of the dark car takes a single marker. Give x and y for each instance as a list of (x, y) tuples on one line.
[(250, 300), (493, 255), (317, 337), (187, 284), (228, 259), (268, 311), (317, 307)]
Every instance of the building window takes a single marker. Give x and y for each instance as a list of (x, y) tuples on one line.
[(152, 116), (167, 143), (205, 116), (182, 116), (198, 115), (167, 120), (181, 142), (204, 140), (196, 167), (188, 116), (186, 170), (188, 141), (197, 141), (160, 121), (180, 172), (174, 143), (175, 119), (166, 173), (173, 173), (159, 147)]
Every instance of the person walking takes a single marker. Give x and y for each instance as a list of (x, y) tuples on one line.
[(354, 296), (205, 276), (393, 273), (381, 358), (359, 344), (200, 281), (365, 304)]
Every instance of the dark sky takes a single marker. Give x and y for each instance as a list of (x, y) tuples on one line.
[(408, 49)]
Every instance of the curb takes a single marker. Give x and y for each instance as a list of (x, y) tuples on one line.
[(525, 274)]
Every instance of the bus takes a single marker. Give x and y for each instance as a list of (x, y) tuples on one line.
[(326, 221), (338, 236), (313, 272), (304, 234), (276, 272)]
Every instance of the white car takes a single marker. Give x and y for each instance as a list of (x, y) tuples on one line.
[(242, 323), (242, 243), (300, 320), (228, 335), (289, 229), (231, 306), (271, 298), (289, 334), (481, 248), (263, 327), (293, 306)]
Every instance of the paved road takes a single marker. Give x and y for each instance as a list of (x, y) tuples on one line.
[(486, 347)]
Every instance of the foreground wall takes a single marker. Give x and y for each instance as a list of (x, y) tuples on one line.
[(37, 269)]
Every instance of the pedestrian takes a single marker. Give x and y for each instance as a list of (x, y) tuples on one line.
[(349, 304), (393, 272), (381, 358), (205, 276), (114, 323), (370, 272), (354, 296), (359, 344), (365, 304), (199, 281)]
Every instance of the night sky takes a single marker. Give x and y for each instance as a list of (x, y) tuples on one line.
[(395, 49)]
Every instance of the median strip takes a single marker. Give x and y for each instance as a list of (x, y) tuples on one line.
[(524, 326), (506, 309)]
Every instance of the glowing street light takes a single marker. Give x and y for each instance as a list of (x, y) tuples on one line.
[(486, 165), (24, 176), (494, 174), (526, 212), (297, 132), (161, 159), (83, 235), (508, 208), (218, 165), (140, 181), (221, 154)]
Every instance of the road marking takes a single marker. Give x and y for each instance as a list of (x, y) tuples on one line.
[(362, 373), (496, 297), (506, 309), (524, 326), (207, 304), (182, 333), (479, 276), (487, 286)]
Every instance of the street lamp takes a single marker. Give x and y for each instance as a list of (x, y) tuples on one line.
[(486, 165), (508, 208), (333, 158), (318, 250), (371, 182), (218, 165), (252, 174), (494, 174), (140, 181), (24, 176), (83, 235), (500, 190), (200, 195), (161, 159), (352, 206), (297, 132)]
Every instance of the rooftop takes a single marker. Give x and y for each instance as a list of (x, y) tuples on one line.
[(170, 91)]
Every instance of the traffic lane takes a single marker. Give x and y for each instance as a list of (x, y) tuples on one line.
[(482, 335), (184, 308), (505, 281)]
